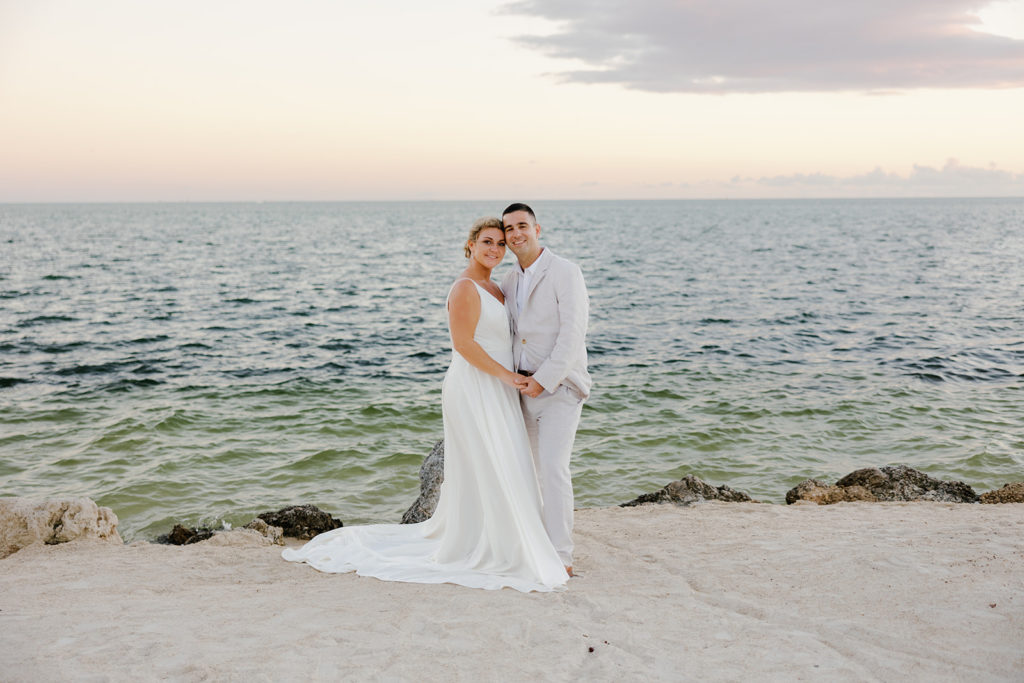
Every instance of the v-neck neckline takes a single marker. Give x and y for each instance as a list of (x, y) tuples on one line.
[(496, 299)]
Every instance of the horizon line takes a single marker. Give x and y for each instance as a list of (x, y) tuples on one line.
[(448, 200)]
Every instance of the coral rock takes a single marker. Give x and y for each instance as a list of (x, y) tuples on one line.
[(274, 534), (250, 536), (26, 521)]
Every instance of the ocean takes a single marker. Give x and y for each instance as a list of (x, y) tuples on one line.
[(201, 363)]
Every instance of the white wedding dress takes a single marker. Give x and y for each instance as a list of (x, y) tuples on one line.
[(486, 531)]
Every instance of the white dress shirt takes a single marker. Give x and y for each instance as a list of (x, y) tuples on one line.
[(523, 288), (524, 283)]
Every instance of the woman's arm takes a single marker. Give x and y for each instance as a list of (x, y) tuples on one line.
[(463, 315)]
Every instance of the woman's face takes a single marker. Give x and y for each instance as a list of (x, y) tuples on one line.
[(489, 247)]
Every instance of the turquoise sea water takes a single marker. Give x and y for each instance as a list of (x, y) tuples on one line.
[(205, 362)]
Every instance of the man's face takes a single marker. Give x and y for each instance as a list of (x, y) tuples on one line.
[(522, 234)]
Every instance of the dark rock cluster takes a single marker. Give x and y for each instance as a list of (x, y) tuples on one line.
[(890, 483), (689, 490), (298, 521), (183, 535), (301, 521)]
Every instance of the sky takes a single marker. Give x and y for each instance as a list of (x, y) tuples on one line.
[(528, 100)]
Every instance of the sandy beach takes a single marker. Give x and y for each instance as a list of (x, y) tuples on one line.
[(854, 591)]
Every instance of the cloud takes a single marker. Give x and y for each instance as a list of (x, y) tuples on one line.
[(952, 180), (752, 46)]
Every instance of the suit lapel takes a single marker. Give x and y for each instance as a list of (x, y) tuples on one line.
[(543, 261), (510, 299)]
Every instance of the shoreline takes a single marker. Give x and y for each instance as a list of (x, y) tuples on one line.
[(849, 591), (24, 520)]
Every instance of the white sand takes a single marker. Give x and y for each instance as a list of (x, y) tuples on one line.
[(863, 591)]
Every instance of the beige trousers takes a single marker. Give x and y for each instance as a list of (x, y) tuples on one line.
[(551, 421)]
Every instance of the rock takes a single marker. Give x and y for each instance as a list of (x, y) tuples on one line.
[(689, 490), (25, 521), (819, 492), (301, 521), (249, 536), (1010, 493), (179, 535), (274, 533), (183, 535), (902, 483), (200, 535), (431, 476), (257, 532), (889, 483)]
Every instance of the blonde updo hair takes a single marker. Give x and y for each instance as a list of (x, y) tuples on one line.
[(479, 226)]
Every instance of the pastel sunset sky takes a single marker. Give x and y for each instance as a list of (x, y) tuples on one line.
[(118, 100)]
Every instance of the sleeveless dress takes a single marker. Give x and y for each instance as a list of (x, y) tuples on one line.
[(487, 530)]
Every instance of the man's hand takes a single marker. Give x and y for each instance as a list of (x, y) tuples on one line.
[(530, 387), (514, 380)]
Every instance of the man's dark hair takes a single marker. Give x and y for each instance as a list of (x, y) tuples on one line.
[(512, 208)]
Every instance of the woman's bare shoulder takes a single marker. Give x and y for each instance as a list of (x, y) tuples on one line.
[(463, 291)]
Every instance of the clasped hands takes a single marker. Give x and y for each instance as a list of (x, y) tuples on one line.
[(527, 386)]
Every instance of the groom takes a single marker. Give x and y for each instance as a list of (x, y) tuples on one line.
[(547, 302)]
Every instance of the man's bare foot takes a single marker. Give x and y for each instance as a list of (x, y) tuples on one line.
[(568, 570)]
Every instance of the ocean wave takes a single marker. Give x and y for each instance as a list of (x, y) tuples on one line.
[(46, 320), (961, 367), (94, 368)]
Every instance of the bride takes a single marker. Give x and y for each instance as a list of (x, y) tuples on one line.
[(486, 531)]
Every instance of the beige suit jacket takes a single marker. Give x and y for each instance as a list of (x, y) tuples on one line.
[(549, 334)]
